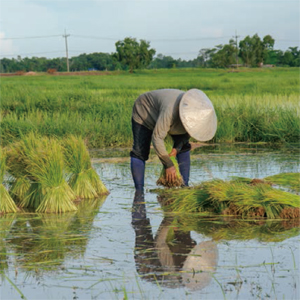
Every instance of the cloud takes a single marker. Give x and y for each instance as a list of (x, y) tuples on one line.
[(6, 46)]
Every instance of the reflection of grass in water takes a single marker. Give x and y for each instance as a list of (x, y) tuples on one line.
[(44, 241), (5, 226), (233, 198), (290, 180), (237, 229)]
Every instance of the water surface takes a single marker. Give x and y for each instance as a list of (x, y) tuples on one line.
[(113, 248)]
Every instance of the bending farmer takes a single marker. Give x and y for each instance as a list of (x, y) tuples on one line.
[(177, 113)]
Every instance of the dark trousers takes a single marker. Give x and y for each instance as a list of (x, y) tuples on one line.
[(142, 140)]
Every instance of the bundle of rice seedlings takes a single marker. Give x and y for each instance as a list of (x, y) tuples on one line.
[(289, 180), (83, 178), (234, 198), (162, 180), (43, 162), (15, 167), (7, 204)]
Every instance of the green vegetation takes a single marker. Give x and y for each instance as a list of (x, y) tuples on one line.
[(133, 54), (235, 198), (40, 166), (83, 178), (289, 180), (7, 204), (251, 51), (43, 162), (162, 180), (257, 105)]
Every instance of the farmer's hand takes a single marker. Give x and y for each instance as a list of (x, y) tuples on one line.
[(173, 152), (171, 174)]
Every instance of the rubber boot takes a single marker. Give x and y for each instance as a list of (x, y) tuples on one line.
[(184, 162), (138, 173)]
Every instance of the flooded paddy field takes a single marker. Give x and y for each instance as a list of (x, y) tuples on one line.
[(112, 249)]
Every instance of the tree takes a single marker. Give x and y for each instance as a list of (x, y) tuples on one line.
[(255, 51), (133, 54), (225, 56)]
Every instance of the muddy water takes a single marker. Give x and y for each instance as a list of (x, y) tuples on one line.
[(115, 249)]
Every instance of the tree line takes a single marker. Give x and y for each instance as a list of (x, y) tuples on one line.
[(132, 54)]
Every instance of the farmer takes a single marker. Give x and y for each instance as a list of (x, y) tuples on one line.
[(177, 113)]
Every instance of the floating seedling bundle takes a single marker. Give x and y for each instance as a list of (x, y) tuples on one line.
[(83, 179), (162, 179), (236, 198), (7, 204)]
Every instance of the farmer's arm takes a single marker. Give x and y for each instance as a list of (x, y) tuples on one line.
[(160, 132)]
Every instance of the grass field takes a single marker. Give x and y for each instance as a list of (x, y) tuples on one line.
[(252, 105)]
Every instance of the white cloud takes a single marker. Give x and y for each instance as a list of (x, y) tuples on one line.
[(6, 46)]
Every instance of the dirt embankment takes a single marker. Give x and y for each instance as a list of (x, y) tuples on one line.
[(81, 73)]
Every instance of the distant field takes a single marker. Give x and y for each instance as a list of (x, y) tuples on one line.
[(252, 105)]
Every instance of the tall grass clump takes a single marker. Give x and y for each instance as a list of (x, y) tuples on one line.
[(41, 159), (235, 198), (7, 204), (83, 179), (162, 180)]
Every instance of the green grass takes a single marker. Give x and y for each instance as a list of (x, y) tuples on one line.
[(254, 105)]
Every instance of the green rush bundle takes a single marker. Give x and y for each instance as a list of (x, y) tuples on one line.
[(83, 179), (41, 161), (7, 204), (162, 179), (235, 198)]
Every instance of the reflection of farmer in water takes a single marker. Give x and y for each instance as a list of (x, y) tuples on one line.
[(172, 257), (177, 113)]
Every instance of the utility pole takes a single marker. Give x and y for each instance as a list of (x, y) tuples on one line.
[(67, 55), (236, 45)]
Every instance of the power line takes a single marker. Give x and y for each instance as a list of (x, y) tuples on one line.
[(29, 37), (58, 51), (152, 40)]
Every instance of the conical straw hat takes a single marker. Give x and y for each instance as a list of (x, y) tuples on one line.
[(197, 115)]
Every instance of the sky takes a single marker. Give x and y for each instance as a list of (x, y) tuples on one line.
[(179, 28)]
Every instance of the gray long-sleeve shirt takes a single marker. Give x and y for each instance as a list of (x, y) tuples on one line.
[(159, 111)]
